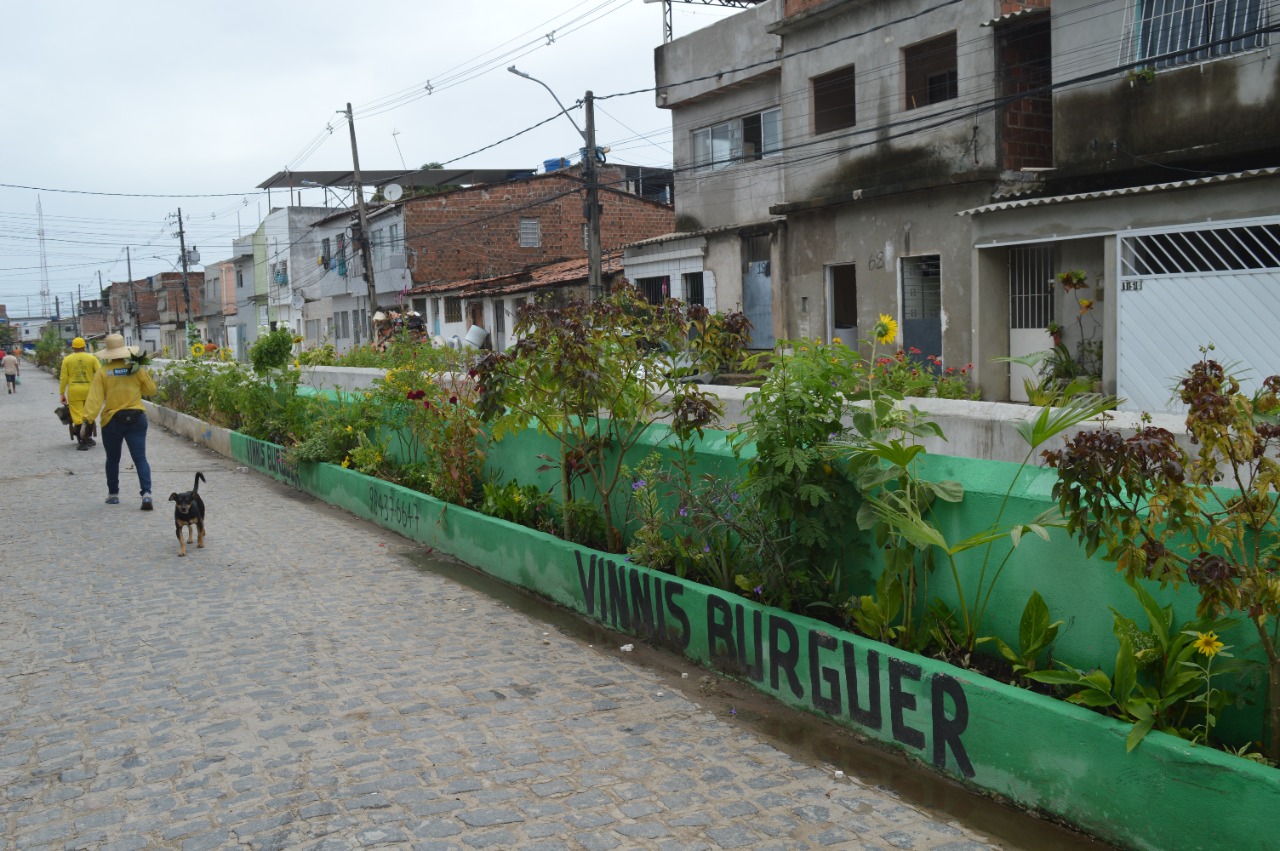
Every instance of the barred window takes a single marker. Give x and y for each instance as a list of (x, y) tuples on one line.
[(1186, 31), (452, 309)]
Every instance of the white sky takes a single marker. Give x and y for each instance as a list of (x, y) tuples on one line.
[(205, 99)]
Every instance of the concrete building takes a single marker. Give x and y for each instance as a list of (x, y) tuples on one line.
[(825, 150)]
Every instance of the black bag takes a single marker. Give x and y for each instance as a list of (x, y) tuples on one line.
[(129, 416), (64, 414)]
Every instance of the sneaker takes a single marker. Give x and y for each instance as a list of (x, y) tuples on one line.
[(113, 499), (146, 502)]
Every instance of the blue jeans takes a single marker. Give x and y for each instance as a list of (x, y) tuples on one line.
[(116, 432)]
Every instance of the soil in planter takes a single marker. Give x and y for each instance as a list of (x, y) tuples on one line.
[(804, 737)]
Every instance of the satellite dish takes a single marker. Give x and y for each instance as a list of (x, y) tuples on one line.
[(298, 301), (392, 191)]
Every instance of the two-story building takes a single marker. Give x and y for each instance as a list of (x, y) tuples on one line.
[(468, 247), (827, 149)]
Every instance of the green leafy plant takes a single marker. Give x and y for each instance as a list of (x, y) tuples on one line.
[(906, 514), (1153, 686), (527, 505), (1035, 635), (271, 350), (596, 377), (1159, 512)]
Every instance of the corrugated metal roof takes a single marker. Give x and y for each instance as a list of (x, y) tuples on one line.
[(693, 234), (1015, 16), (1126, 190)]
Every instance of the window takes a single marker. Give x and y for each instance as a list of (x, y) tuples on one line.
[(280, 271), (324, 252), (453, 308), (393, 234), (239, 279), (693, 288), (750, 137), (654, 290), (834, 102), (530, 236), (929, 69), (342, 254), (1189, 28)]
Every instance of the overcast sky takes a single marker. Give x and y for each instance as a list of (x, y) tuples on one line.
[(198, 102)]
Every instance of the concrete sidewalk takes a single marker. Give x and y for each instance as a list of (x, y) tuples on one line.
[(299, 683)]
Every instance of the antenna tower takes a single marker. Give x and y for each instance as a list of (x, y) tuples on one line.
[(44, 263)]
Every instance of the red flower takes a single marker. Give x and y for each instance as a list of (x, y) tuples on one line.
[(914, 350), (453, 400), (415, 394)]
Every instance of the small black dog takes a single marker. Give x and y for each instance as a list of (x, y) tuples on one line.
[(188, 512)]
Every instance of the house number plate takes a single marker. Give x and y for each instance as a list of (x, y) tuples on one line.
[(1130, 286)]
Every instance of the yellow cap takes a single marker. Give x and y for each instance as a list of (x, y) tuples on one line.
[(77, 343)]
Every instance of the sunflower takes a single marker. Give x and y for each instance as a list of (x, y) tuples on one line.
[(1207, 644), (197, 349), (886, 330)]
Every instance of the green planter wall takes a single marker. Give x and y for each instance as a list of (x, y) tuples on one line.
[(1036, 751)]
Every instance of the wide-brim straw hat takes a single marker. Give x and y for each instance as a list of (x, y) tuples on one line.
[(114, 348)]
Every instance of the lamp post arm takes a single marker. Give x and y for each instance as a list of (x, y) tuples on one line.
[(514, 70)]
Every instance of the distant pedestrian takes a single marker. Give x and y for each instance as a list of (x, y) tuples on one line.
[(116, 391), (78, 369), (11, 372)]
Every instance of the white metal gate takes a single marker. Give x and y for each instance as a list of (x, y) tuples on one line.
[(1030, 311), (1180, 290)]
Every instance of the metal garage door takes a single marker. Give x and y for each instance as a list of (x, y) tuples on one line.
[(1182, 290)]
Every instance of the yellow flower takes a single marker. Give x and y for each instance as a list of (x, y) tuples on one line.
[(1207, 644), (886, 330), (349, 428), (197, 349), (346, 462)]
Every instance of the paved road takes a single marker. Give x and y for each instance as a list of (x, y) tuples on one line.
[(299, 683)]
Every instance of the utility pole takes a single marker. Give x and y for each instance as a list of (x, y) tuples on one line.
[(367, 260), (186, 292), (595, 289), (133, 299), (79, 312)]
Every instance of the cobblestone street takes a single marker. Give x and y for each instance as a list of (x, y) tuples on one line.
[(301, 683)]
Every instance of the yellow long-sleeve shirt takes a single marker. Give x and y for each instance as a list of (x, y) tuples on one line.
[(115, 388), (77, 368)]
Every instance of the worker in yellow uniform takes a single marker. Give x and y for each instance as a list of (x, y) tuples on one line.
[(116, 393), (78, 369)]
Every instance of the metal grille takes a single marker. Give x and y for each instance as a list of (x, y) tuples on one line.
[(1228, 249), (530, 233), (1196, 30), (1030, 288), (922, 287)]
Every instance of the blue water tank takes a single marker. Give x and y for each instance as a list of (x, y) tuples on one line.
[(554, 164)]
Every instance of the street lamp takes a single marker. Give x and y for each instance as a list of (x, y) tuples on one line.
[(594, 288)]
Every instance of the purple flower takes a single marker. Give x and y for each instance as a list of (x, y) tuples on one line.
[(706, 548), (735, 497), (637, 484), (758, 590), (684, 512)]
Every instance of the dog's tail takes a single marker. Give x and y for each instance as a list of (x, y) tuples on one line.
[(195, 487)]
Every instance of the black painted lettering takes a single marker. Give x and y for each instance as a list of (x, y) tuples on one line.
[(870, 716), (753, 669), (818, 675), (784, 658), (641, 600), (720, 628), (670, 593), (619, 615), (901, 702), (587, 581), (946, 731)]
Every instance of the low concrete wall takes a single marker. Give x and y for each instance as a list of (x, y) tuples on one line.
[(973, 429), (197, 431), (1041, 753)]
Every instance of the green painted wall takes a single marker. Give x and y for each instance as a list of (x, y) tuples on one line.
[(1038, 752)]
